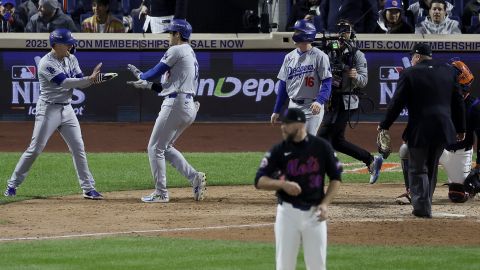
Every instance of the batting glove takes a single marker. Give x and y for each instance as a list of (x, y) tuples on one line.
[(135, 71), (141, 84), (103, 77)]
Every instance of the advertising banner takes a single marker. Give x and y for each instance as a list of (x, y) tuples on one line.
[(233, 85)]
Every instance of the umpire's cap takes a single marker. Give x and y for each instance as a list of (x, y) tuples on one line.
[(181, 26), (422, 49), (293, 115)]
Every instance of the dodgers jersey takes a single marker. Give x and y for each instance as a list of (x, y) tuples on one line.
[(183, 74), (303, 73), (48, 68)]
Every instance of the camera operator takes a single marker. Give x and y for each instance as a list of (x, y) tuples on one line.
[(349, 75)]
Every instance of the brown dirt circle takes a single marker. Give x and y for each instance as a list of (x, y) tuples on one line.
[(361, 213)]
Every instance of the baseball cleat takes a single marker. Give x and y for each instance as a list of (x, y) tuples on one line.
[(403, 199), (92, 195), (156, 198), (199, 185), (10, 192), (375, 168)]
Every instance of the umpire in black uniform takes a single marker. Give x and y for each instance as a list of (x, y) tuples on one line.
[(436, 119)]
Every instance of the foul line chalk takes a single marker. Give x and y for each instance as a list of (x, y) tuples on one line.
[(441, 214), (137, 232)]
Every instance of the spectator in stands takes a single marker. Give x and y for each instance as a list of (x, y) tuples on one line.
[(26, 10), (363, 14), (329, 12), (304, 9), (391, 19), (471, 9), (437, 22), (159, 13), (49, 18), (417, 11), (102, 21), (10, 20)]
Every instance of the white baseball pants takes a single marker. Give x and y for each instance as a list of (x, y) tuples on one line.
[(313, 120), (51, 117), (457, 164), (174, 117), (294, 226)]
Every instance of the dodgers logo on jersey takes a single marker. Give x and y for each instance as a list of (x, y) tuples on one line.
[(300, 70), (51, 70)]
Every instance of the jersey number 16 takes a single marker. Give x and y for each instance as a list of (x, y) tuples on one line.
[(309, 81)]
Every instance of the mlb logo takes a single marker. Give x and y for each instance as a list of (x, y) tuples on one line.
[(390, 73), (24, 72)]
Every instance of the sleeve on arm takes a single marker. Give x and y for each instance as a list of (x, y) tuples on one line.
[(59, 78), (333, 166), (69, 83), (325, 90), (281, 97), (268, 165), (362, 70), (458, 111), (155, 72)]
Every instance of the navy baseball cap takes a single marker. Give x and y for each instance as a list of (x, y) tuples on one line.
[(293, 115), (393, 4), (422, 49), (5, 2)]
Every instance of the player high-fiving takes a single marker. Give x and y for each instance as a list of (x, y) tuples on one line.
[(59, 73)]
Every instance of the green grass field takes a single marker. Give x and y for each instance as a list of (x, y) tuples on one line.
[(53, 175)]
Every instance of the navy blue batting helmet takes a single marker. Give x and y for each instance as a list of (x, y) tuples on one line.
[(181, 26), (305, 31), (62, 36)]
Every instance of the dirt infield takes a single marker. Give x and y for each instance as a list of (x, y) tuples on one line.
[(362, 213)]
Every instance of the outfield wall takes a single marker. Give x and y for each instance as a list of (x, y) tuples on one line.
[(237, 72)]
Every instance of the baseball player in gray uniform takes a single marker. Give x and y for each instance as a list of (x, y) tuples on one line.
[(178, 69), (59, 73), (305, 78)]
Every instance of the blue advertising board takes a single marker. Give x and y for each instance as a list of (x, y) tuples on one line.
[(233, 85)]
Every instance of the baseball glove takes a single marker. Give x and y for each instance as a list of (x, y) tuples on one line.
[(384, 143), (472, 182), (103, 77)]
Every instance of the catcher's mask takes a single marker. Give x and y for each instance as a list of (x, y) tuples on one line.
[(464, 75)]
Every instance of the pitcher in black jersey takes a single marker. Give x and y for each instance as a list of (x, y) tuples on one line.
[(296, 169)]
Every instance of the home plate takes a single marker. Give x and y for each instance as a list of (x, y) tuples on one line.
[(448, 215)]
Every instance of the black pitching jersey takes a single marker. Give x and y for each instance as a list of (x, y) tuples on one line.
[(306, 163)]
